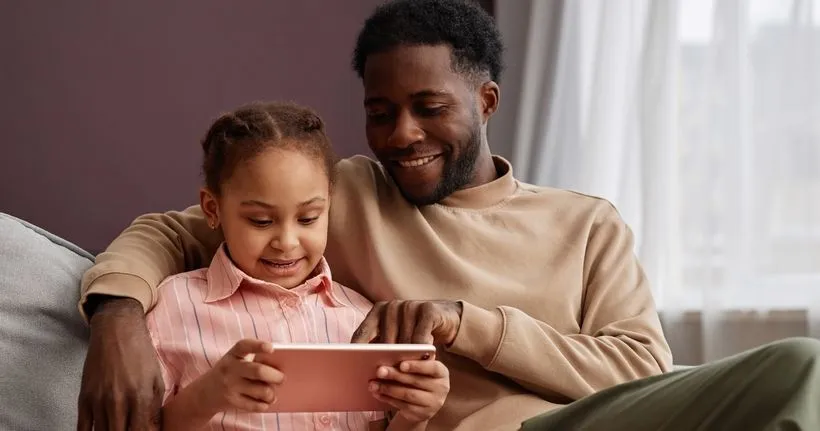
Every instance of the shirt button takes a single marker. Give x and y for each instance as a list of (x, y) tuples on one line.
[(292, 302), (324, 422)]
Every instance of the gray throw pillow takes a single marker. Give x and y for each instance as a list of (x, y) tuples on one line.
[(43, 340)]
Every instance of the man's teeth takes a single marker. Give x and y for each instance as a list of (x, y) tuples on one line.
[(281, 264), (416, 162)]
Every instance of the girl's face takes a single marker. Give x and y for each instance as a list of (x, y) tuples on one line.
[(273, 211)]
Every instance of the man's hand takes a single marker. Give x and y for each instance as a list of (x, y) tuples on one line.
[(122, 384), (418, 322)]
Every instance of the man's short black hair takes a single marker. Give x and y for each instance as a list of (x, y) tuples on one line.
[(462, 24)]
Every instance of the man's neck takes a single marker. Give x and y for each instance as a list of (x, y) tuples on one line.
[(485, 170)]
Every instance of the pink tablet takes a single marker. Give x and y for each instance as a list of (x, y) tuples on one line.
[(334, 377)]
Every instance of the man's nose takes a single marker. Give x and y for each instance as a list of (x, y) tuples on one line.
[(407, 131)]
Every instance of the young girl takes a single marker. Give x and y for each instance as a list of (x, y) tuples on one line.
[(268, 170)]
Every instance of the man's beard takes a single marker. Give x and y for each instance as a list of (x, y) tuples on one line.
[(456, 174)]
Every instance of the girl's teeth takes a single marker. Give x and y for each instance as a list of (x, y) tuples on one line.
[(416, 162)]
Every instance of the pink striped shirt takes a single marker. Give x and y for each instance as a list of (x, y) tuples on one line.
[(201, 314)]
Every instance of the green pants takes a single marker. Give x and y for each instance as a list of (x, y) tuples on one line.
[(774, 387)]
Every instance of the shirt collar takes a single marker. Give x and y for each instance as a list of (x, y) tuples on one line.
[(225, 278)]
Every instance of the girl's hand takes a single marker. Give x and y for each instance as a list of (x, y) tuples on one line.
[(417, 389), (237, 381)]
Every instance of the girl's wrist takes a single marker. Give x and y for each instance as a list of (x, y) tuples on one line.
[(210, 400), (400, 423)]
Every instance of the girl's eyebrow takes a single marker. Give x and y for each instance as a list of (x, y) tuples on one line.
[(313, 200), (254, 202)]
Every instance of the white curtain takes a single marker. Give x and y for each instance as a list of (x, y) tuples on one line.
[(700, 121)]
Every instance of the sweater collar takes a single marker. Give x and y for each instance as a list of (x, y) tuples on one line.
[(485, 195)]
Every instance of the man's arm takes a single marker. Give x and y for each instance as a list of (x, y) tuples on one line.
[(153, 247), (116, 292), (620, 337)]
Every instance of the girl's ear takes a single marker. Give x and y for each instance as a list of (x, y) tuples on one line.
[(210, 206)]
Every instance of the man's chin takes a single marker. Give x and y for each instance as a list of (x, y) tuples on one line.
[(420, 200), (423, 195)]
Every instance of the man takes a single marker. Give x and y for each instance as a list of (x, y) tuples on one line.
[(532, 294)]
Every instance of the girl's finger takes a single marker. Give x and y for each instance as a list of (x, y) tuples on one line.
[(248, 404), (406, 409), (391, 374), (428, 368), (260, 372), (406, 394), (256, 391)]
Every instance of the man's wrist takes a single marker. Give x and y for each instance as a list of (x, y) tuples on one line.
[(105, 305), (459, 312)]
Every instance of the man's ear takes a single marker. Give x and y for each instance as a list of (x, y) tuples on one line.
[(210, 206), (489, 96)]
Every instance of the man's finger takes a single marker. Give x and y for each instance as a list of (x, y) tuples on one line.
[(100, 418), (389, 325), (407, 321), (423, 330), (143, 414), (85, 418), (368, 330), (116, 411), (249, 346)]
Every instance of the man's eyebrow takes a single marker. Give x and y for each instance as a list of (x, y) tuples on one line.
[(375, 101), (429, 93), (417, 95)]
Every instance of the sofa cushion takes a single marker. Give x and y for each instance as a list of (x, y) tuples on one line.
[(42, 337)]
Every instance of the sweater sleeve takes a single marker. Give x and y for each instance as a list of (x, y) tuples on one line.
[(153, 247), (620, 337)]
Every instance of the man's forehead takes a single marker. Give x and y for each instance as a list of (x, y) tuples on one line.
[(410, 70)]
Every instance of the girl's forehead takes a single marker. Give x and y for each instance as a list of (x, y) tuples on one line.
[(279, 178)]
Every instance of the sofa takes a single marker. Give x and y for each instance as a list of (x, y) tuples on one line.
[(43, 340)]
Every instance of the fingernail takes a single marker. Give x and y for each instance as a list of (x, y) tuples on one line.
[(404, 366), (381, 372), (373, 387)]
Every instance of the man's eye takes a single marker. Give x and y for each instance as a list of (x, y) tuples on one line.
[(430, 111), (308, 220), (378, 117), (259, 222)]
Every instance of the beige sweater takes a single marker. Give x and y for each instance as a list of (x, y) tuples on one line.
[(556, 305)]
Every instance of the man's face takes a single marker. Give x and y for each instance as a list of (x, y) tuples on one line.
[(423, 121)]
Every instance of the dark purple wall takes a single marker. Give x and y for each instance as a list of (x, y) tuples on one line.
[(102, 104)]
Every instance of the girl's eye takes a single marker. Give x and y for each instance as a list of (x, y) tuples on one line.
[(259, 222), (308, 220)]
